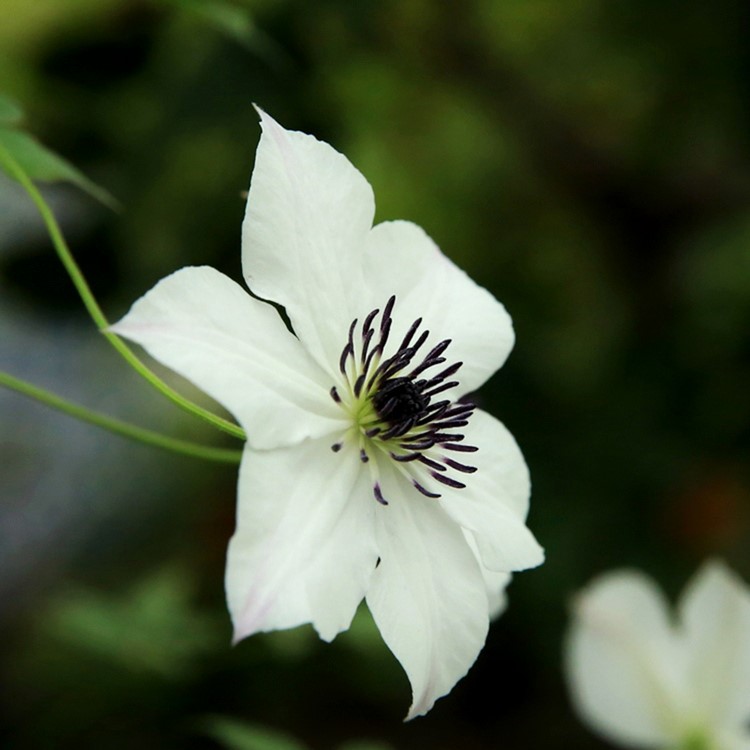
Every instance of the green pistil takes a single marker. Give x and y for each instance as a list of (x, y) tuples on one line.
[(365, 415)]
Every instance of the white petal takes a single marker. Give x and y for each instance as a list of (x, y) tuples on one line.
[(495, 583), (621, 662), (495, 501), (402, 260), (308, 213), (715, 614), (427, 595), (497, 596), (207, 328), (304, 549)]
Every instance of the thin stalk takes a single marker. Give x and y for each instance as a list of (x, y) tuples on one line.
[(66, 257), (125, 429)]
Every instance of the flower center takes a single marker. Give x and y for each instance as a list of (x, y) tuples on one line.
[(398, 401), (392, 406)]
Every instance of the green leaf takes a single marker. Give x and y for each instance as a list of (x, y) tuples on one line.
[(235, 21), (152, 628), (240, 735), (226, 17), (10, 111), (42, 164)]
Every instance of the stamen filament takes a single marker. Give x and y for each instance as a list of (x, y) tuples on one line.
[(393, 410)]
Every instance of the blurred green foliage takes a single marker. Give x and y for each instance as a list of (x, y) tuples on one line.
[(10, 112), (236, 735), (34, 159), (588, 162)]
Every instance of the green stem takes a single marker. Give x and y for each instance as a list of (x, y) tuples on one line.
[(117, 426), (63, 252)]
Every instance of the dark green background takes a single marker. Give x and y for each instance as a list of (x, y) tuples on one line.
[(588, 162)]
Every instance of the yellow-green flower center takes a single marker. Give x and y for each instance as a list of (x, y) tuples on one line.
[(392, 406)]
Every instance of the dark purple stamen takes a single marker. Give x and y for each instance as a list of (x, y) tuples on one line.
[(447, 372), (459, 466), (447, 480), (402, 358), (367, 338), (358, 385), (367, 325), (423, 490), (418, 443), (379, 494), (387, 310), (409, 419), (460, 448), (410, 333), (399, 399), (399, 430), (441, 388), (405, 457), (450, 424), (432, 359), (442, 437), (432, 464), (434, 411)]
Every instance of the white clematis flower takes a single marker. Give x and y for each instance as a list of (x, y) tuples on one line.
[(364, 473), (643, 680)]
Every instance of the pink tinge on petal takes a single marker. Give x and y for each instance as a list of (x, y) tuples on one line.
[(304, 549)]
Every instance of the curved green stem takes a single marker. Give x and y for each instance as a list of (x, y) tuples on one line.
[(63, 252), (149, 437)]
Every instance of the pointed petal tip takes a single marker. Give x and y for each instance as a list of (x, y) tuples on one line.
[(715, 568), (268, 123), (527, 556), (326, 634), (124, 328), (530, 557), (237, 636), (263, 116), (243, 630), (419, 708), (244, 627), (120, 328), (429, 695), (536, 559)]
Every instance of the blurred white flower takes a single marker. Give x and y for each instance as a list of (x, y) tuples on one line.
[(365, 472), (642, 679)]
